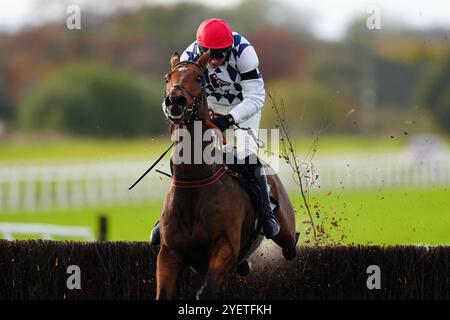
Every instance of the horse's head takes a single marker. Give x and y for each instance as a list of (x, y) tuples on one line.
[(184, 96)]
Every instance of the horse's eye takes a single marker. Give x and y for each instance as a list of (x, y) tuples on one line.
[(199, 79), (166, 80)]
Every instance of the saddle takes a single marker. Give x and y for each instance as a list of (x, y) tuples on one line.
[(245, 176)]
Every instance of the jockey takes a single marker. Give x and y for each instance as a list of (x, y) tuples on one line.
[(234, 88)]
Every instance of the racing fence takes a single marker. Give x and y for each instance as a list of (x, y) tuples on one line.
[(120, 270), (30, 187)]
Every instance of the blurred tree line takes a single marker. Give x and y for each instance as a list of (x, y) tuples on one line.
[(91, 99), (107, 79)]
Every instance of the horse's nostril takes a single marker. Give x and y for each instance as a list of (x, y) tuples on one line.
[(175, 110), (178, 100)]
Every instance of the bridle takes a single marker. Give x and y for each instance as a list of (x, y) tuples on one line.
[(193, 115), (191, 111)]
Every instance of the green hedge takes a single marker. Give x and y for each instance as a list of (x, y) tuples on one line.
[(435, 93)]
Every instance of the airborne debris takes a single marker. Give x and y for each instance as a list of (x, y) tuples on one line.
[(350, 112)]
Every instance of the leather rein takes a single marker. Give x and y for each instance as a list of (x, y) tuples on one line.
[(193, 116), (193, 113)]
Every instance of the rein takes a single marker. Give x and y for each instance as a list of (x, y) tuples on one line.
[(223, 170), (193, 110)]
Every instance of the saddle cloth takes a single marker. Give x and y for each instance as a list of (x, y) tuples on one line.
[(245, 176)]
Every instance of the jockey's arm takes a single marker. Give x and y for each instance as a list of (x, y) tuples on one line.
[(254, 94), (252, 85)]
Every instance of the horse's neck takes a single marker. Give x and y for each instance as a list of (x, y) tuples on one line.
[(197, 168)]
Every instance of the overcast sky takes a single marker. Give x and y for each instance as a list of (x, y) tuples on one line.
[(329, 20)]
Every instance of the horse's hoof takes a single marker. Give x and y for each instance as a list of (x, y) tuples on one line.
[(291, 253), (244, 268)]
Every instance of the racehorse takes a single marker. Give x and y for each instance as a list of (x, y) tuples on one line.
[(207, 220)]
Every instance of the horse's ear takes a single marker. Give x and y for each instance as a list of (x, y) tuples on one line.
[(174, 59), (203, 60)]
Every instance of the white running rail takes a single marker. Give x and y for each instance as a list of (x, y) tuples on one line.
[(46, 231), (31, 187)]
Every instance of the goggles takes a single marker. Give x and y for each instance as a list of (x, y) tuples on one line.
[(216, 53)]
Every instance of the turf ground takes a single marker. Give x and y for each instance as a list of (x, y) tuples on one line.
[(31, 148), (371, 217)]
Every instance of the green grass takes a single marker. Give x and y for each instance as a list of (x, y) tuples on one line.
[(352, 144), (125, 222), (383, 217), (35, 148)]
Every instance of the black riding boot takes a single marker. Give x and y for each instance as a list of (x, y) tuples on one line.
[(155, 237), (271, 228)]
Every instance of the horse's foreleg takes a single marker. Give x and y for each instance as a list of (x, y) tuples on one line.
[(221, 262), (168, 268)]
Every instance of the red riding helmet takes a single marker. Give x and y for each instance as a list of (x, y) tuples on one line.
[(215, 34)]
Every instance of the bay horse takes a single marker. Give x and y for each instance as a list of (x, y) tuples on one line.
[(207, 218)]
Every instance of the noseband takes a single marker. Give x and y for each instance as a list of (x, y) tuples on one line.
[(191, 111)]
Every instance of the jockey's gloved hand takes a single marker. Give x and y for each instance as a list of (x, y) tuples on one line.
[(223, 122)]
